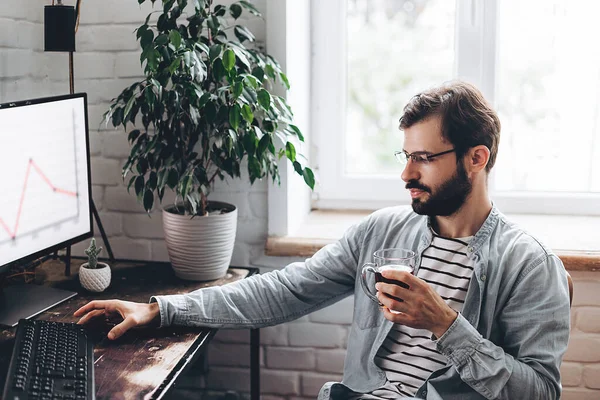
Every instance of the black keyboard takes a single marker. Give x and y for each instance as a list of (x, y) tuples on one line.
[(50, 360)]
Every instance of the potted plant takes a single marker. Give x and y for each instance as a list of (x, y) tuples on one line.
[(205, 110), (93, 275)]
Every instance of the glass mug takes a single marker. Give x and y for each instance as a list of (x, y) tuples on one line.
[(387, 259)]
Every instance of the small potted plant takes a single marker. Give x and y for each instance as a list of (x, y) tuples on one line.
[(93, 275)]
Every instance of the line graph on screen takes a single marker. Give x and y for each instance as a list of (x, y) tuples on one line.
[(14, 232), (44, 197)]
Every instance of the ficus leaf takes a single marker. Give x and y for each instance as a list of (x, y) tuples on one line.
[(133, 135), (147, 36), (259, 73), (148, 200), (128, 107), (247, 113), (284, 79), (269, 125), (161, 40), (228, 59), (214, 52), (204, 99), (263, 144), (238, 87), (220, 10), (241, 54), (264, 98), (139, 185), (175, 39), (251, 80), (250, 7), (270, 71), (249, 140), (218, 69), (234, 116), (297, 167), (290, 151), (133, 178), (254, 169), (172, 178), (235, 10), (309, 177), (297, 132), (117, 116), (162, 178), (152, 181), (243, 34), (186, 185)]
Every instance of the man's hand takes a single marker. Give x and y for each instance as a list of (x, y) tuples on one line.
[(422, 307), (133, 314)]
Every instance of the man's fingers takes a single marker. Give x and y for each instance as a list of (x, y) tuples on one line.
[(402, 276), (90, 315), (400, 318), (92, 305), (385, 300), (121, 328), (392, 304), (391, 289)]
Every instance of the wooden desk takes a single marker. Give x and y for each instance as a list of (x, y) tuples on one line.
[(143, 363)]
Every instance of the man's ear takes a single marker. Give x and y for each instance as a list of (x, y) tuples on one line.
[(477, 158)]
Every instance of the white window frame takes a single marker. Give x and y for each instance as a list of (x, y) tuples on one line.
[(475, 62), (288, 40)]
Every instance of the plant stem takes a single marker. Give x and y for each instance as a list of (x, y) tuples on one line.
[(203, 204), (210, 181)]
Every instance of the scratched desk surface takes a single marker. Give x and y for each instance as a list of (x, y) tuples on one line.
[(142, 363)]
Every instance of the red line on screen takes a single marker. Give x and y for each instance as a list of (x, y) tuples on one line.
[(13, 233)]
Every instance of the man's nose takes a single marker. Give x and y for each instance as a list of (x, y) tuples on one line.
[(410, 172)]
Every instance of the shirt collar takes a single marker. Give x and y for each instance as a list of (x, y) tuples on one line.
[(482, 234)]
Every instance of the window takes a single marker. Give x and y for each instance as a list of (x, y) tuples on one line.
[(371, 56)]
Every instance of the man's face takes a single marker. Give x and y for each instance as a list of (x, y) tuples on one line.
[(441, 186)]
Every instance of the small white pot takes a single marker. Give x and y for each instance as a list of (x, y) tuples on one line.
[(94, 280)]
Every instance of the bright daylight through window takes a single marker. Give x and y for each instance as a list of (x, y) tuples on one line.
[(542, 79)]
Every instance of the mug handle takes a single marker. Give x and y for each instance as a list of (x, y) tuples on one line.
[(368, 267)]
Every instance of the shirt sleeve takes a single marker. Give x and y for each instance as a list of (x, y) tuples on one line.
[(275, 297), (535, 322)]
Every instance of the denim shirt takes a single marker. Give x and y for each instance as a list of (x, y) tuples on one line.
[(507, 343)]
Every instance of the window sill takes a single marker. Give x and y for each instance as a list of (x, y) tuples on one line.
[(573, 238)]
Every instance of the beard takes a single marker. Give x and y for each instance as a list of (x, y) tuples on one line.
[(447, 199)]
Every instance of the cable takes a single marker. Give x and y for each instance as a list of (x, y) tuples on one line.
[(77, 14), (71, 75)]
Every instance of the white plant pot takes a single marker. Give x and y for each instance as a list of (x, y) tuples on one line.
[(94, 280), (200, 248)]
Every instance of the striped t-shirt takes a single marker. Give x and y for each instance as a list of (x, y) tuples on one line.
[(408, 356)]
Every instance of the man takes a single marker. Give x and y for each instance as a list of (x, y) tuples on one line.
[(486, 313)]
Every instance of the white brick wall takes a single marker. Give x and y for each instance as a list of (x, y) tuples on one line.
[(297, 357), (581, 364)]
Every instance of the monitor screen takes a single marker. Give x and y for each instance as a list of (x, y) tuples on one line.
[(44, 176)]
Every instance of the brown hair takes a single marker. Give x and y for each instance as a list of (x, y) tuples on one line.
[(468, 120)]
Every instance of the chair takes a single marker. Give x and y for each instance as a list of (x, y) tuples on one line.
[(570, 281)]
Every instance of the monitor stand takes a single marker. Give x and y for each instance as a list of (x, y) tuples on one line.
[(28, 300)]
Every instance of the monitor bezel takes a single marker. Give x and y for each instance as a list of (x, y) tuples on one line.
[(47, 251)]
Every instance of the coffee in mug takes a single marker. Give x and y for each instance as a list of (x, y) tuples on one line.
[(387, 259), (380, 278)]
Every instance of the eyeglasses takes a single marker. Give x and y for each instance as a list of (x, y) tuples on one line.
[(418, 157)]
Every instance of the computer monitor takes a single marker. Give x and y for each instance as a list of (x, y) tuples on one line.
[(46, 192)]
